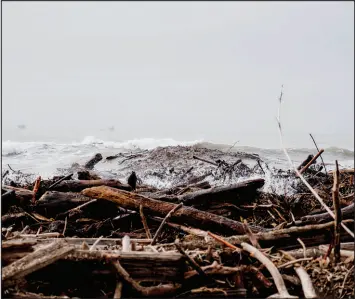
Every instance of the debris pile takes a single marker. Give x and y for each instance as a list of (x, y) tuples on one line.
[(80, 235)]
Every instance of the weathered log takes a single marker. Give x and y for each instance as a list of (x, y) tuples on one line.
[(8, 199), (13, 218), (29, 295), (35, 261), (318, 251), (182, 188), (187, 215), (61, 204), (15, 249), (347, 213), (12, 250), (311, 235), (77, 186), (18, 243), (24, 196), (53, 202), (93, 161), (33, 239), (144, 266), (241, 191)]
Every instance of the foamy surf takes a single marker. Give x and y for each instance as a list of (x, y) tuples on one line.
[(49, 158)]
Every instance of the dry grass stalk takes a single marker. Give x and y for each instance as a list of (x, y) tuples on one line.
[(302, 177)]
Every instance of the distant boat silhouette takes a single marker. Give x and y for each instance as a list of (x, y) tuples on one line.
[(21, 127)]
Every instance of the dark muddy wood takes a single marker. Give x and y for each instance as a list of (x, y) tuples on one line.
[(93, 161), (87, 175)]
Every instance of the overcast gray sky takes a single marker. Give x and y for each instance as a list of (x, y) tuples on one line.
[(181, 70)]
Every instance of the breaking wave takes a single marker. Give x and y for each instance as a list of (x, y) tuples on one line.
[(50, 158)]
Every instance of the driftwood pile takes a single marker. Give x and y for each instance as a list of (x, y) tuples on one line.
[(90, 238)]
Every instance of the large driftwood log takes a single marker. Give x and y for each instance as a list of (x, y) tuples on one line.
[(59, 205), (237, 192), (53, 202), (29, 295), (224, 193), (187, 215), (311, 235), (143, 266), (35, 261), (23, 196), (15, 249), (77, 186)]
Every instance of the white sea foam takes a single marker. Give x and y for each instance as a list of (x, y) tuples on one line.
[(50, 158)]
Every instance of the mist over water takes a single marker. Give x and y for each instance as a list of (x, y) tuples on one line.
[(117, 77)]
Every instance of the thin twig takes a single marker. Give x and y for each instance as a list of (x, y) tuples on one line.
[(144, 221), (65, 226), (232, 146), (60, 180), (303, 246), (83, 205), (311, 161), (190, 260), (155, 291), (345, 278), (11, 168), (226, 243), (260, 166), (325, 169), (165, 219), (295, 262), (96, 242), (301, 176), (24, 230)]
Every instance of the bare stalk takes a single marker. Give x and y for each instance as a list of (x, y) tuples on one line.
[(302, 177)]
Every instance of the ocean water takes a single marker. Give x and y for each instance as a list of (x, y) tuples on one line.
[(156, 158)]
